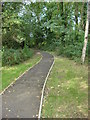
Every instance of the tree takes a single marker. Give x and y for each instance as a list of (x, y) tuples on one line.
[(86, 35), (12, 33), (83, 15)]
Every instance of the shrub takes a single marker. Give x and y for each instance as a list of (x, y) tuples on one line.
[(72, 51), (12, 56)]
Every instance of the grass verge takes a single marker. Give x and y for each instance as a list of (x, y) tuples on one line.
[(66, 93), (9, 74)]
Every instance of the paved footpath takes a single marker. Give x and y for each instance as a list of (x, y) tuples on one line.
[(22, 100)]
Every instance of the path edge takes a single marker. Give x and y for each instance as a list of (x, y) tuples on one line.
[(21, 75), (43, 89)]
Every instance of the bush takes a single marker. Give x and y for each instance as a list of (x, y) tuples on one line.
[(71, 51), (12, 56), (48, 47)]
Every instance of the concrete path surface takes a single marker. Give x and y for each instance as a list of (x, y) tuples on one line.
[(22, 100)]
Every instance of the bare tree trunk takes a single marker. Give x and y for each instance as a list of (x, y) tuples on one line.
[(86, 35)]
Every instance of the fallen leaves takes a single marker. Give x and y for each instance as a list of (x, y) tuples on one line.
[(52, 87)]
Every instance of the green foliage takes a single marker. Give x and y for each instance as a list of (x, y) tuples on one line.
[(48, 26), (12, 56), (12, 27), (71, 51)]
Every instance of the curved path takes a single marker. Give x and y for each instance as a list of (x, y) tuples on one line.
[(22, 100)]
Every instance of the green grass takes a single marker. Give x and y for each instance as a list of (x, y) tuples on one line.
[(66, 93), (9, 74)]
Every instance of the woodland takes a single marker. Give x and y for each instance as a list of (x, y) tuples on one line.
[(48, 26)]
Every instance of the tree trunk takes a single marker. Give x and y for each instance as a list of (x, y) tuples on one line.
[(86, 35), (76, 21), (82, 23), (62, 9), (76, 13)]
